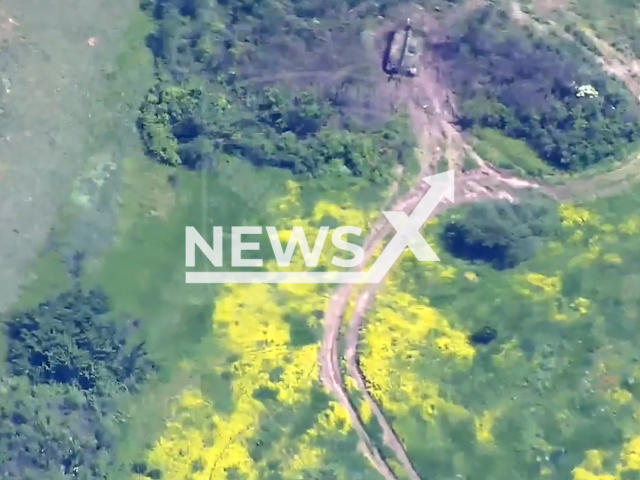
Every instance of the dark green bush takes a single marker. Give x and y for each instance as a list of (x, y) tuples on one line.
[(75, 340), (71, 362), (501, 233), (53, 432)]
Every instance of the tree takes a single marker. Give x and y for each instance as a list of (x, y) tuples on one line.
[(54, 432), (500, 233), (71, 362), (75, 340)]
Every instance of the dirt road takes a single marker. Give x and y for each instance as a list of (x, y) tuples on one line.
[(436, 136), (331, 374), (474, 186)]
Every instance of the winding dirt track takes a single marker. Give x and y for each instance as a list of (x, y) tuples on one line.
[(479, 185), (331, 373)]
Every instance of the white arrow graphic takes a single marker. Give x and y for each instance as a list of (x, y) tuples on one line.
[(408, 227), (408, 235)]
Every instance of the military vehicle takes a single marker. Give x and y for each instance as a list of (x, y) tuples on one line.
[(401, 57)]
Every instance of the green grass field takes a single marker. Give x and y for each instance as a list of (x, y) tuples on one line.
[(510, 154)]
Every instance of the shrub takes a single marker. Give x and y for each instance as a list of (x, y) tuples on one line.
[(500, 233), (75, 340)]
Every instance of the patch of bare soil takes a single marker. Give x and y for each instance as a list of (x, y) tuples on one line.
[(425, 98)]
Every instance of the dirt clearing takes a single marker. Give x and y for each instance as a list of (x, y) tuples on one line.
[(429, 104)]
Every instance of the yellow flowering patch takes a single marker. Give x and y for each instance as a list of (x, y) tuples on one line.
[(544, 287), (251, 325), (216, 445), (392, 341), (591, 468), (449, 273), (631, 226), (471, 276), (620, 396), (586, 258), (365, 412), (581, 305), (630, 457), (484, 426), (343, 214), (564, 310), (455, 343), (572, 216), (612, 258)]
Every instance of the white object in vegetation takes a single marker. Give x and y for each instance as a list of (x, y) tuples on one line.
[(586, 91)]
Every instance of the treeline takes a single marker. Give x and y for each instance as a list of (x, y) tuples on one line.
[(69, 363), (185, 125), (275, 83), (508, 78)]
